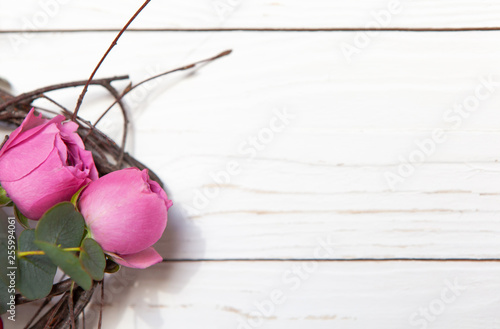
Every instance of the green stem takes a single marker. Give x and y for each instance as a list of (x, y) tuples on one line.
[(29, 253), (39, 252)]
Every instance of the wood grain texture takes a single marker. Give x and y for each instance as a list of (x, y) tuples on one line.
[(318, 187), (92, 14), (329, 295), (325, 173)]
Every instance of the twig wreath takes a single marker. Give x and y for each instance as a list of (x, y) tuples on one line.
[(60, 170)]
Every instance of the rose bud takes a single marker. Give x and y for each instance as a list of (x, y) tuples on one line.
[(44, 162), (126, 213)]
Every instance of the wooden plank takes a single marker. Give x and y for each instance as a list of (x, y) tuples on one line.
[(326, 172), (352, 232), (64, 14), (319, 182), (316, 295), (327, 96)]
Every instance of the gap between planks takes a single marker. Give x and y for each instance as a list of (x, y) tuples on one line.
[(473, 260), (264, 29)]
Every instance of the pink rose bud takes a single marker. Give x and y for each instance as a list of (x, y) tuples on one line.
[(44, 162), (126, 213)]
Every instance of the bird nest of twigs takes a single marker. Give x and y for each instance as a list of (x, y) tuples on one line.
[(64, 304)]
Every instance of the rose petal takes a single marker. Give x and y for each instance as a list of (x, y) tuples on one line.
[(142, 259), (30, 126), (43, 163), (28, 146), (122, 213), (30, 122), (156, 188), (68, 133), (43, 188)]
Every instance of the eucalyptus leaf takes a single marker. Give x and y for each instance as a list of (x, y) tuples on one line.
[(35, 272), (93, 259), (21, 219), (68, 262), (62, 225)]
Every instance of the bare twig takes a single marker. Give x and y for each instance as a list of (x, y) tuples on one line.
[(114, 43), (83, 318), (101, 303), (57, 289), (71, 308), (30, 96), (49, 317), (183, 68), (45, 302), (82, 299), (118, 98), (55, 103)]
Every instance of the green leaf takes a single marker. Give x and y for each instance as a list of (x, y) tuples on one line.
[(21, 219), (4, 199), (36, 272), (68, 262), (74, 198), (92, 259), (62, 225)]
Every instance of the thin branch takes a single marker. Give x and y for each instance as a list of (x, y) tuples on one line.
[(57, 289), (71, 306), (51, 315), (183, 68), (119, 98), (101, 303), (83, 297), (114, 43), (55, 103), (45, 302), (37, 92)]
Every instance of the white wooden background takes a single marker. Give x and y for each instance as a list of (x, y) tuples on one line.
[(311, 215)]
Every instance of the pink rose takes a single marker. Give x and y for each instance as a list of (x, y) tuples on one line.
[(44, 162), (126, 213)]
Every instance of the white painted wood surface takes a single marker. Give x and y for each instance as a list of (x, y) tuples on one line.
[(95, 14), (235, 295), (320, 181)]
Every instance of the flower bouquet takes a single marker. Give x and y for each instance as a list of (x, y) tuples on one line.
[(85, 205)]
